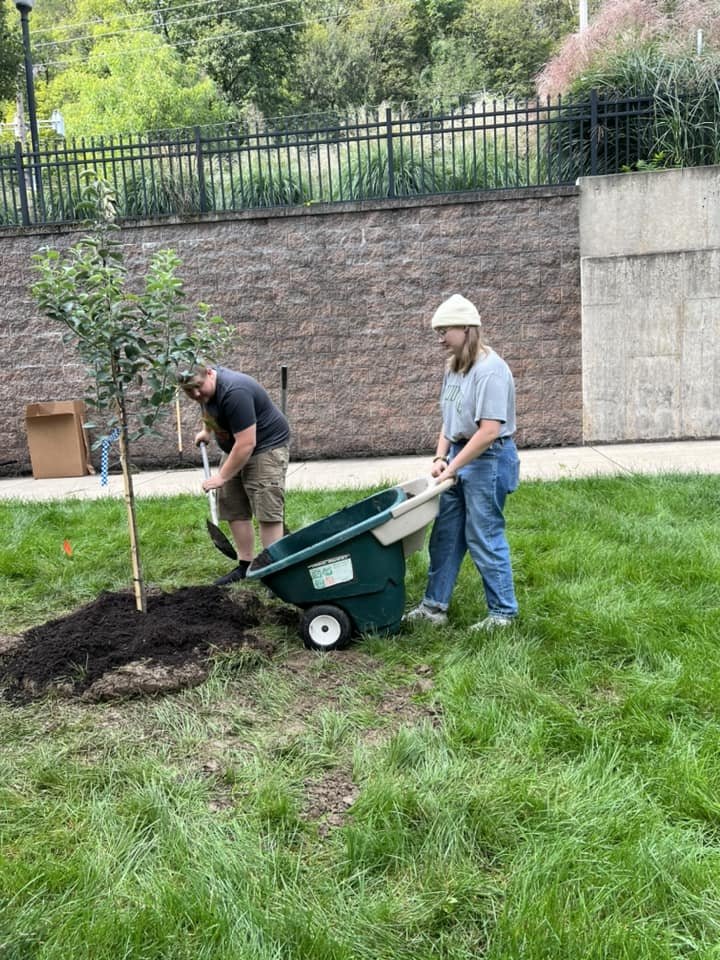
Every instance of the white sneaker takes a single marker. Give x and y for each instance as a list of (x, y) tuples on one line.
[(492, 622), (425, 612)]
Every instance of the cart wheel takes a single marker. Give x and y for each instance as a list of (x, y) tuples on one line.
[(326, 627)]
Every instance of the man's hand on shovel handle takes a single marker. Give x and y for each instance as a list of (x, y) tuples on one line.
[(213, 483)]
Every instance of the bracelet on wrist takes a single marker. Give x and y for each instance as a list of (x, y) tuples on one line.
[(444, 459)]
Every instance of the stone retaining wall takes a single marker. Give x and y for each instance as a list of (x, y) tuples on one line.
[(342, 295)]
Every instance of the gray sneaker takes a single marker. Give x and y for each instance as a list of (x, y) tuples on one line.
[(493, 622), (424, 611)]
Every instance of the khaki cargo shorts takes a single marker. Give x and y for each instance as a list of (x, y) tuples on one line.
[(258, 490)]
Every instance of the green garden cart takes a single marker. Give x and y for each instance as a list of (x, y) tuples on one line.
[(347, 572)]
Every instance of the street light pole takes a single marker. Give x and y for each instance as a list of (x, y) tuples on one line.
[(24, 7)]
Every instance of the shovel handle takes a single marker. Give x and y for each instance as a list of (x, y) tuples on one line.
[(211, 493), (206, 462)]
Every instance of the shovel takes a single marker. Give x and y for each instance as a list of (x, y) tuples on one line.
[(216, 534)]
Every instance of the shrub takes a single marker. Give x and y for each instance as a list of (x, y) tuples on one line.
[(271, 188), (163, 191), (368, 174), (63, 204), (686, 94), (620, 27), (647, 48)]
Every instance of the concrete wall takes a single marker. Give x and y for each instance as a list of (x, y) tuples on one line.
[(650, 269), (343, 296)]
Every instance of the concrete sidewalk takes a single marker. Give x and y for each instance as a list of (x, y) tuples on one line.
[(551, 463)]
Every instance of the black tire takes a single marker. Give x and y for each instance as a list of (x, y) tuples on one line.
[(326, 627)]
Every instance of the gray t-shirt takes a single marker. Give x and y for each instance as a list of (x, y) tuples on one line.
[(485, 392)]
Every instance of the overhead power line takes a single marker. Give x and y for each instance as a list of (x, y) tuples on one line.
[(222, 36), (149, 25), (121, 16), (212, 39)]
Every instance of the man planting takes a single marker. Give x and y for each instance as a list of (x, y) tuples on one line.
[(254, 436)]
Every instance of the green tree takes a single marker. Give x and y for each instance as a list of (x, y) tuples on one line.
[(363, 53), (110, 71), (330, 69), (370, 51), (247, 49), (133, 345), (497, 46), (394, 47), (131, 85), (10, 52)]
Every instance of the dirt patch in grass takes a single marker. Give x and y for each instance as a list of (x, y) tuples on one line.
[(328, 799), (349, 681), (108, 649), (324, 682), (332, 681)]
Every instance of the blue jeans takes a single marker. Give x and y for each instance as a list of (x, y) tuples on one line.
[(470, 518)]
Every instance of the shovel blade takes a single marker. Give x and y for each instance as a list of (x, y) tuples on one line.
[(221, 541)]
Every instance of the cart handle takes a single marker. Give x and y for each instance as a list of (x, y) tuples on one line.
[(433, 490)]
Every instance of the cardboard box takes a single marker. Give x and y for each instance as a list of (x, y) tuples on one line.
[(56, 439)]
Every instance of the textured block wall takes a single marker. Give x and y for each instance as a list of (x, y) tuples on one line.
[(341, 295)]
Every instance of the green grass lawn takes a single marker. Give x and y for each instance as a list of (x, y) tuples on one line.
[(551, 791)]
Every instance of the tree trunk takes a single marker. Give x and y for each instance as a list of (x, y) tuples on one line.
[(138, 581)]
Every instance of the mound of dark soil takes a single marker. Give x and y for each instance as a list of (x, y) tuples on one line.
[(108, 649)]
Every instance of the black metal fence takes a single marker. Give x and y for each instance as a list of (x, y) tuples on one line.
[(488, 146)]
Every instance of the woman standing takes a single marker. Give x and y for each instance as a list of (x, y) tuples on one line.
[(475, 447)]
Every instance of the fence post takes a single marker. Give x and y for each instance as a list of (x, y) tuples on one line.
[(200, 171), (594, 132), (24, 207), (391, 167)]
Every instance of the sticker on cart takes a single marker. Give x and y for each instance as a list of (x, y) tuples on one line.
[(331, 572)]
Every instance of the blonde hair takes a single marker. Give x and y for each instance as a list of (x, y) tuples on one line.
[(472, 350)]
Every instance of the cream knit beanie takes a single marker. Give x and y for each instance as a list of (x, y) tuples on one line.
[(456, 312)]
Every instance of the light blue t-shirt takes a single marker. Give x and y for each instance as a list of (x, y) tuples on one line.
[(485, 392)]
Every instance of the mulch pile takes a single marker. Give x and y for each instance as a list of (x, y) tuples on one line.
[(108, 649)]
